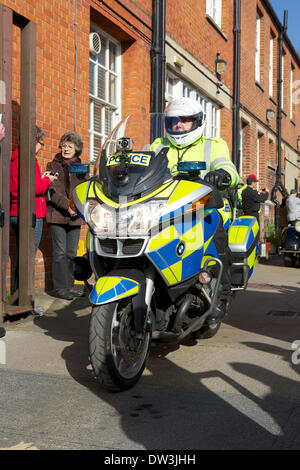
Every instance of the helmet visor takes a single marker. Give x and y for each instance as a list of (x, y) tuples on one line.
[(177, 125)]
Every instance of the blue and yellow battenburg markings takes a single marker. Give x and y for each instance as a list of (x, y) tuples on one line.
[(243, 233), (177, 251), (133, 159), (80, 197), (111, 288)]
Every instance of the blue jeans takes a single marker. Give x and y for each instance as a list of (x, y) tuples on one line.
[(37, 238)]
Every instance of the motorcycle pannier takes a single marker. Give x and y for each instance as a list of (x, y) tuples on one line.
[(243, 239)]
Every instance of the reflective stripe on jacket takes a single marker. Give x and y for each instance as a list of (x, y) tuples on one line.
[(239, 192), (213, 151)]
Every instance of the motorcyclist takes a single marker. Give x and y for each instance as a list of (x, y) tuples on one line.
[(185, 121)]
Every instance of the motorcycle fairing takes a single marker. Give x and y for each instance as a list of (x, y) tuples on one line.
[(242, 233), (112, 288), (177, 250), (93, 190), (290, 240), (79, 197), (243, 241)]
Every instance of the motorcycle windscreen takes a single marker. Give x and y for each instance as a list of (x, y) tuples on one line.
[(128, 167), (133, 174)]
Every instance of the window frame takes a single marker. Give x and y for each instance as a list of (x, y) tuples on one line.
[(181, 88), (291, 93), (106, 106), (271, 65), (214, 10), (257, 47)]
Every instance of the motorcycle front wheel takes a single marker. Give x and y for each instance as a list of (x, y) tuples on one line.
[(118, 353)]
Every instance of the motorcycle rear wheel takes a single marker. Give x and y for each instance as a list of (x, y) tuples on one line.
[(118, 353)]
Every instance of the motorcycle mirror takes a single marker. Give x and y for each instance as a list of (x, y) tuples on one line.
[(79, 168)]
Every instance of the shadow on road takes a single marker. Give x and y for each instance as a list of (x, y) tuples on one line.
[(272, 311), (173, 408)]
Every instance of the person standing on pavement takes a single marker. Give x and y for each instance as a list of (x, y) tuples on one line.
[(42, 182), (251, 198), (2, 135), (63, 220), (241, 186), (293, 207)]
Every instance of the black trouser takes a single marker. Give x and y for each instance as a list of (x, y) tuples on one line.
[(221, 241), (65, 240)]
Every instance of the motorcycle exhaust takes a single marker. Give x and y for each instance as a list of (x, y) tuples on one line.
[(198, 322), (184, 306), (171, 336)]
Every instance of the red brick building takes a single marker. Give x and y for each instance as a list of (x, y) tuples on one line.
[(90, 92)]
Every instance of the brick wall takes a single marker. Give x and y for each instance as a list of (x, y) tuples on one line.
[(130, 22), (55, 80)]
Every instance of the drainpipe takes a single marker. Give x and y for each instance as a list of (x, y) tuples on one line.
[(158, 61), (236, 91), (278, 184)]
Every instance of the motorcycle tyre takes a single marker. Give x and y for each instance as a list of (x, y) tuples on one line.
[(101, 354), (289, 260)]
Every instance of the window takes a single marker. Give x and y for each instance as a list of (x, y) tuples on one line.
[(214, 10), (271, 65), (257, 155), (291, 93), (257, 49), (105, 92), (176, 88), (259, 152)]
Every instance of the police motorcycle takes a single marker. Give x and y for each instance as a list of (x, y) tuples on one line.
[(290, 244), (150, 247)]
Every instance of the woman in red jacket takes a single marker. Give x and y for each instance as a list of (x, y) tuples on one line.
[(42, 182)]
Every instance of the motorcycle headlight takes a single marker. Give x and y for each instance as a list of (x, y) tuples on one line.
[(138, 220), (101, 218), (297, 226), (129, 221)]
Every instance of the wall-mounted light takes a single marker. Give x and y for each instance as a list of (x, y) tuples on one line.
[(270, 114), (179, 61), (220, 65)]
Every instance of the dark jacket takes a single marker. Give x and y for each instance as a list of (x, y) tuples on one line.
[(251, 200), (61, 192)]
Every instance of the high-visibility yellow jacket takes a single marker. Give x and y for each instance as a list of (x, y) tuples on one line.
[(239, 193), (213, 151)]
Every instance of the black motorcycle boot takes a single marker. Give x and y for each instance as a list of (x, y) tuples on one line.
[(224, 294)]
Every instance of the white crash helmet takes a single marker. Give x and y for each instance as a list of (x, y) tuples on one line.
[(184, 107)]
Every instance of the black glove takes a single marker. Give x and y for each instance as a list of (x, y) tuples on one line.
[(219, 178)]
